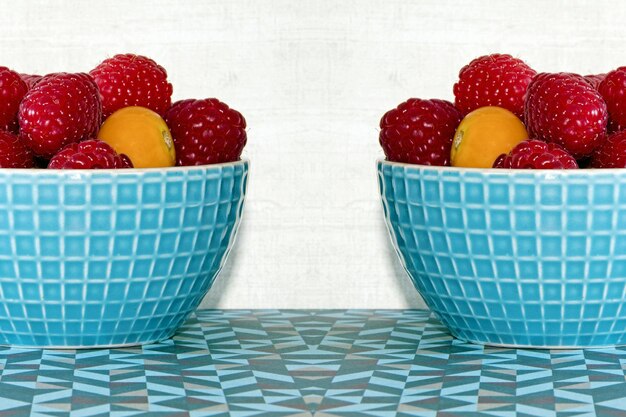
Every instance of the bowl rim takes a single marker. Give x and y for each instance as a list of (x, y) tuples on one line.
[(120, 171), (507, 171)]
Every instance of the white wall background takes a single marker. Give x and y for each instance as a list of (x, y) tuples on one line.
[(313, 79)]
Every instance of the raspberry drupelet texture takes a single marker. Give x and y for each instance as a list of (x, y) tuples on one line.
[(613, 90), (31, 79), (206, 132), (536, 154), (419, 131), (594, 79), (14, 153), (612, 153), (493, 80), (89, 154), (565, 109), (60, 109), (12, 91), (132, 80)]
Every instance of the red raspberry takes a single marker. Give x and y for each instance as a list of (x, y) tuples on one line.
[(613, 90), (14, 153), (612, 153), (31, 80), (206, 132), (178, 105), (536, 154), (493, 80), (60, 109), (419, 131), (595, 79), (12, 90), (132, 80), (89, 154), (563, 108)]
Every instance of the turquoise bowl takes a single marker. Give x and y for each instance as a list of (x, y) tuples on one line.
[(518, 258), (105, 258)]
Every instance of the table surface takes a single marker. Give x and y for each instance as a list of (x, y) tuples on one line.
[(303, 362)]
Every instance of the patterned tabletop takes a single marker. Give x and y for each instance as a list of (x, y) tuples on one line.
[(304, 363)]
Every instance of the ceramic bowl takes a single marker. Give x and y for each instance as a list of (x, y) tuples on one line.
[(105, 258), (521, 258)]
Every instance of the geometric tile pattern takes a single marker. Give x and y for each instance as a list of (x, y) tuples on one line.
[(312, 363), (526, 258), (111, 257)]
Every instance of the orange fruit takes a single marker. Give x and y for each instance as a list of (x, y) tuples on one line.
[(142, 135), (483, 135)]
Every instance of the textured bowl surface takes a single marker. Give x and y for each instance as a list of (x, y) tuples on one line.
[(514, 257), (111, 257)]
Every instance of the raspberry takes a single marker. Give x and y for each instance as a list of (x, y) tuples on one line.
[(14, 153), (12, 90), (89, 154), (60, 109), (30, 80), (613, 90), (178, 105), (536, 154), (493, 80), (594, 80), (206, 132), (419, 131), (132, 80), (563, 108), (612, 153)]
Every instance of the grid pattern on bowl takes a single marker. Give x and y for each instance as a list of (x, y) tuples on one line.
[(526, 259), (111, 258)]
